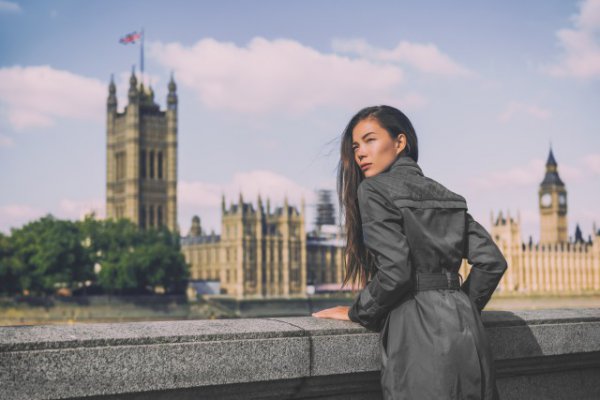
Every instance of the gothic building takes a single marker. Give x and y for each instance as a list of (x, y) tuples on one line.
[(557, 264), (260, 252), (141, 157)]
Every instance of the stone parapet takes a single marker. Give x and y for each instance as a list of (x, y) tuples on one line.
[(549, 354)]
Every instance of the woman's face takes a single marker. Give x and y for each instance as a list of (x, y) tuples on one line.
[(374, 148)]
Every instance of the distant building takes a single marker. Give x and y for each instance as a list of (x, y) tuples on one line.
[(141, 157), (325, 248), (557, 264), (325, 209), (260, 253)]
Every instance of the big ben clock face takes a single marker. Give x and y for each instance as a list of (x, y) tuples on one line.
[(546, 200), (562, 199)]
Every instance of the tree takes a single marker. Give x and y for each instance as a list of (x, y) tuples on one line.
[(9, 267), (134, 261), (49, 253)]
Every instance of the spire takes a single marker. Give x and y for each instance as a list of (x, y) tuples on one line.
[(551, 161), (223, 203), (172, 96), (578, 234), (133, 91), (111, 102), (551, 177), (111, 87), (172, 85)]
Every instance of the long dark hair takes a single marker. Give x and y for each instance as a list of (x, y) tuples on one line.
[(358, 262)]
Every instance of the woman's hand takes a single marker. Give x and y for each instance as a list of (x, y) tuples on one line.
[(339, 312)]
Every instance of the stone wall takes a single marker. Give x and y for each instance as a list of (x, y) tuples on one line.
[(550, 354)]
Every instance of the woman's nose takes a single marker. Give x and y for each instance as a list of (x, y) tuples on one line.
[(360, 153)]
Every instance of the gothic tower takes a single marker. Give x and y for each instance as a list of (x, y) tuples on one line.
[(141, 157), (553, 205)]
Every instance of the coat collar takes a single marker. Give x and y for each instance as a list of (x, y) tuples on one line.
[(407, 164)]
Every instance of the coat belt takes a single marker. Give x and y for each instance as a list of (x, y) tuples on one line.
[(437, 280)]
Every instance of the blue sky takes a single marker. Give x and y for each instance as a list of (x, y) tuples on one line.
[(266, 87)]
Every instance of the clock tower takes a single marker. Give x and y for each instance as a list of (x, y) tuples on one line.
[(553, 205)]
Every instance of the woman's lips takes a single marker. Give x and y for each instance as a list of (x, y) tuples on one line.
[(366, 166)]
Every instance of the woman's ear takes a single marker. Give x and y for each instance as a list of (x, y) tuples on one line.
[(400, 143)]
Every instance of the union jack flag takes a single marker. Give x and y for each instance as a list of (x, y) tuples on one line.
[(130, 38)]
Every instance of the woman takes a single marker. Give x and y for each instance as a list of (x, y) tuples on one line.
[(406, 237)]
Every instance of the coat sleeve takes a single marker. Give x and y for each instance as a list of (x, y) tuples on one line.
[(384, 237), (487, 264)]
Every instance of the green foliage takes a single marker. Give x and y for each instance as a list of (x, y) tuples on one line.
[(9, 267), (49, 253)]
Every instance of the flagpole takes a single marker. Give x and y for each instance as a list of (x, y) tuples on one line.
[(142, 56)]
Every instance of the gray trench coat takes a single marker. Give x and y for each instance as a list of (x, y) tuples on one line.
[(433, 344)]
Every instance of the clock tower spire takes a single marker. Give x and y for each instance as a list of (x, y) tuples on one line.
[(553, 205)]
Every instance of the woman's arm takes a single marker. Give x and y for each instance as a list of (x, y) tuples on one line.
[(488, 264), (384, 237)]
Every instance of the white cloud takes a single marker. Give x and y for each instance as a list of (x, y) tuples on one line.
[(520, 176), (9, 6), (36, 96), (528, 175), (5, 141), (250, 184), (592, 163), (204, 199), (15, 215), (580, 44), (426, 58), (78, 209), (279, 76), (515, 108)]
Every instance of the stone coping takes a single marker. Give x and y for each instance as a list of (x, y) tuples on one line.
[(70, 361), (23, 338)]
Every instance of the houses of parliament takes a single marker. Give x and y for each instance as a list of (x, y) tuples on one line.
[(265, 252)]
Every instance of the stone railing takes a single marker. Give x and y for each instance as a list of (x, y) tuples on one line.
[(550, 354)]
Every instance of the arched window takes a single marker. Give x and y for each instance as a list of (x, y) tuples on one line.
[(143, 217), (143, 164), (160, 165), (120, 165), (151, 164), (151, 216), (159, 220)]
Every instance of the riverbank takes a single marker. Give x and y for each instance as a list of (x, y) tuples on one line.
[(164, 308)]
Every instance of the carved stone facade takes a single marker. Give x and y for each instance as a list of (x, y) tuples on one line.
[(141, 157), (258, 254)]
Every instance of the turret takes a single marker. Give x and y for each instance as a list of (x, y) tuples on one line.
[(133, 90), (111, 102), (196, 229), (172, 96)]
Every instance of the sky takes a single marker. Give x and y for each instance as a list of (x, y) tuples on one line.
[(266, 88)]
